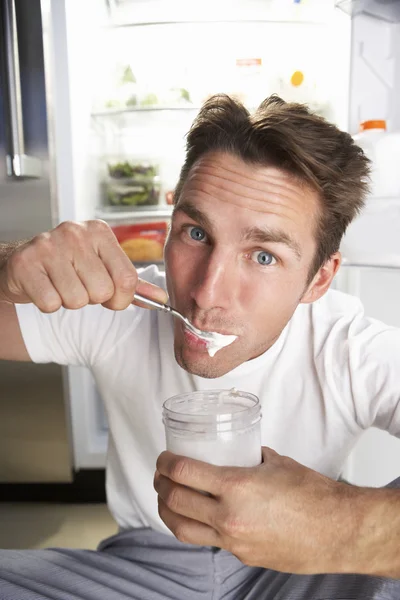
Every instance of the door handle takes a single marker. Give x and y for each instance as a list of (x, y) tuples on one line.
[(19, 164)]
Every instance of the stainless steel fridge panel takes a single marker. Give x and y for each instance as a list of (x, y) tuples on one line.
[(34, 423)]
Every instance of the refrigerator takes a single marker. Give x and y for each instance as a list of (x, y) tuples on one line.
[(124, 81)]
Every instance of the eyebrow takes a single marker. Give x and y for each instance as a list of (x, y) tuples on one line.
[(265, 235), (194, 213), (260, 235)]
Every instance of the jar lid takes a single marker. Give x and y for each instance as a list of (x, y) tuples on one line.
[(373, 124)]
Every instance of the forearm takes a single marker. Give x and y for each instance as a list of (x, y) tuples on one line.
[(371, 545)]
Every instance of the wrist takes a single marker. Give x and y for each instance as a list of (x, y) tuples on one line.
[(371, 527), (6, 251)]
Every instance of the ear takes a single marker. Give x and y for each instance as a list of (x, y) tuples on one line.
[(322, 279)]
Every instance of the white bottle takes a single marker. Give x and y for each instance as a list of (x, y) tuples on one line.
[(370, 135), (387, 157), (383, 148)]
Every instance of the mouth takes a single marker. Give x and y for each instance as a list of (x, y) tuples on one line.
[(194, 341), (216, 342), (211, 330)]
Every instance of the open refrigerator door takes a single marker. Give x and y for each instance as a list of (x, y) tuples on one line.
[(371, 246), (129, 77)]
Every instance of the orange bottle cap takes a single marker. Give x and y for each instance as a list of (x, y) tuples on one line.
[(373, 124)]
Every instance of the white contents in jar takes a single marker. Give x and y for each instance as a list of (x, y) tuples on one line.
[(221, 427), (228, 449)]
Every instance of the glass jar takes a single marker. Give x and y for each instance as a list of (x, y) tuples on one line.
[(221, 427)]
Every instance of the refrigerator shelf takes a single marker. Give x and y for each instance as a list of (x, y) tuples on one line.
[(126, 13), (112, 112), (372, 265), (158, 212)]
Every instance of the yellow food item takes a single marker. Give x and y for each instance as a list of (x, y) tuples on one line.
[(297, 78), (141, 249)]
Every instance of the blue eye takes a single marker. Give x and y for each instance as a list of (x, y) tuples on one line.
[(197, 234), (263, 258)]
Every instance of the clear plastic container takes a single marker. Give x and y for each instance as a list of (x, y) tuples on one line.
[(131, 184), (221, 427)]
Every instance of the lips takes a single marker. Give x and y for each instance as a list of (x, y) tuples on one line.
[(193, 341), (210, 329)]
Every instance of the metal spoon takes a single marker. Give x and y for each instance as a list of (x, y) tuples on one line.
[(205, 335)]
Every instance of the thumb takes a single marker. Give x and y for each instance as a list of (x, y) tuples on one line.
[(151, 291), (269, 455)]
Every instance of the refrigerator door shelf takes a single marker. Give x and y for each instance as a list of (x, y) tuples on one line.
[(160, 212), (387, 10)]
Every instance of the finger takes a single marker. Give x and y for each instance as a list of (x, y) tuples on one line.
[(192, 473), (66, 281), (122, 273), (149, 290), (39, 289), (121, 270), (186, 501), (94, 277), (188, 530)]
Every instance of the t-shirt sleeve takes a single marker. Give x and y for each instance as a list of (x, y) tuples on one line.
[(374, 356), (358, 361), (79, 337), (75, 337)]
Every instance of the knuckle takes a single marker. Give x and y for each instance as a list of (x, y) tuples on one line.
[(49, 305), (70, 229), (42, 244), (127, 282), (98, 226), (71, 235), (171, 498), (181, 532), (77, 302), (231, 526), (103, 294), (179, 469)]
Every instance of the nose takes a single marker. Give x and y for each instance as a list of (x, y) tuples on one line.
[(215, 282)]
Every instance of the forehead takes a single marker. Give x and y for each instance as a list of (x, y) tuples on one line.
[(222, 181)]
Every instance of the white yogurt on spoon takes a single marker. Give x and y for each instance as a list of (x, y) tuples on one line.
[(214, 341), (218, 341)]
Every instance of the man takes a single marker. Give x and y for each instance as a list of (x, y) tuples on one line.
[(260, 208)]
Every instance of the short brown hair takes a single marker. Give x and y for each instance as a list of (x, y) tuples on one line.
[(288, 136)]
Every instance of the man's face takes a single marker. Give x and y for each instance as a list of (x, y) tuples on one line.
[(237, 258)]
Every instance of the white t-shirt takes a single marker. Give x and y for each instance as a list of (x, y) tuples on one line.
[(332, 373)]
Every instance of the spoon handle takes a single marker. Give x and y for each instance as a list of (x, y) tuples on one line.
[(165, 308), (152, 303)]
